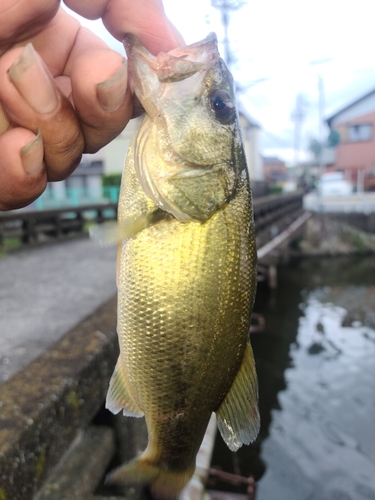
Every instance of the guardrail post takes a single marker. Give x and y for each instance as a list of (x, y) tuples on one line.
[(28, 230), (371, 223), (100, 216), (81, 220), (57, 220)]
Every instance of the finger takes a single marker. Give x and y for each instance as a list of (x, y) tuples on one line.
[(100, 96), (22, 171), (61, 41), (22, 19), (103, 110), (177, 35), (32, 100), (145, 19)]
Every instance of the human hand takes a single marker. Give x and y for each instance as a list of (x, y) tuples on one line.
[(66, 94)]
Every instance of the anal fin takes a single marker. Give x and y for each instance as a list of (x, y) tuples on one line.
[(118, 397), (238, 416)]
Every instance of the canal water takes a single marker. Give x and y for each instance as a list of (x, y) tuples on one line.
[(316, 369)]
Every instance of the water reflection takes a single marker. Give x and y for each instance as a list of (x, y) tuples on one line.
[(316, 367)]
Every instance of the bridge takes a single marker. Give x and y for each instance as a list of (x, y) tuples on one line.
[(272, 215), (52, 401)]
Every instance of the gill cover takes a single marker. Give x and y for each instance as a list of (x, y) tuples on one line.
[(186, 173)]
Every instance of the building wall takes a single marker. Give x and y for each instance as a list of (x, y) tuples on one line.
[(257, 158), (250, 136), (113, 155)]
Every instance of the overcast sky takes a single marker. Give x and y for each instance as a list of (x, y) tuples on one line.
[(278, 40)]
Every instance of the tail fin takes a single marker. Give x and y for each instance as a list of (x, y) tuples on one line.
[(164, 484)]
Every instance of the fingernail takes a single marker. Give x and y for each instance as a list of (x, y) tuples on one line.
[(32, 155), (111, 92), (32, 81)]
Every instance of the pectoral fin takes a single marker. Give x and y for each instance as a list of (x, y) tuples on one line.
[(118, 397), (238, 417), (113, 232)]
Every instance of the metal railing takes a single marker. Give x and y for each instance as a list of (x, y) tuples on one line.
[(32, 227), (36, 226)]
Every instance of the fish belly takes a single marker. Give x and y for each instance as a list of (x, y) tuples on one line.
[(185, 297)]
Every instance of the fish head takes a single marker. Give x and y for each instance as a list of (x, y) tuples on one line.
[(189, 152)]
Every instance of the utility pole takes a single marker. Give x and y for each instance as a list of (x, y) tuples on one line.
[(225, 6), (321, 122), (321, 107), (298, 117)]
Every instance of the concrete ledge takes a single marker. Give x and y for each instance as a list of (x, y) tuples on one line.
[(82, 468), (80, 471), (43, 407)]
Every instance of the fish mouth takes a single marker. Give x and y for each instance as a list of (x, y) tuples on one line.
[(177, 64)]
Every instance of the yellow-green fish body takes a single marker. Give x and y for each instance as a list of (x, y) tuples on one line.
[(187, 277)]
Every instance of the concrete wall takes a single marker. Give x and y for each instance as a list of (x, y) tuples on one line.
[(251, 136), (364, 222)]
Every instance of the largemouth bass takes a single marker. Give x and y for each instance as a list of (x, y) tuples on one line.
[(187, 267)]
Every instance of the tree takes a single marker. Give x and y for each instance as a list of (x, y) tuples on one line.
[(333, 139), (316, 147)]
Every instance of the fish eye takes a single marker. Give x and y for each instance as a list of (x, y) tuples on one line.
[(222, 106)]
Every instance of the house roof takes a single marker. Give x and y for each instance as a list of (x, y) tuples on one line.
[(345, 108), (273, 159)]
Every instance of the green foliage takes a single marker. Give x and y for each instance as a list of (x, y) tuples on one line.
[(333, 139), (6, 245), (316, 148), (111, 180), (354, 238), (276, 189)]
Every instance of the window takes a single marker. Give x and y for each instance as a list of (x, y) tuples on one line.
[(360, 132)]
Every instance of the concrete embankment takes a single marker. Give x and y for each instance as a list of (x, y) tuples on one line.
[(336, 234)]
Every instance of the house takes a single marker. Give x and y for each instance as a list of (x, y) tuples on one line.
[(354, 127), (275, 170)]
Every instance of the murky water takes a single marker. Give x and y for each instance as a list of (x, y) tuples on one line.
[(316, 368)]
